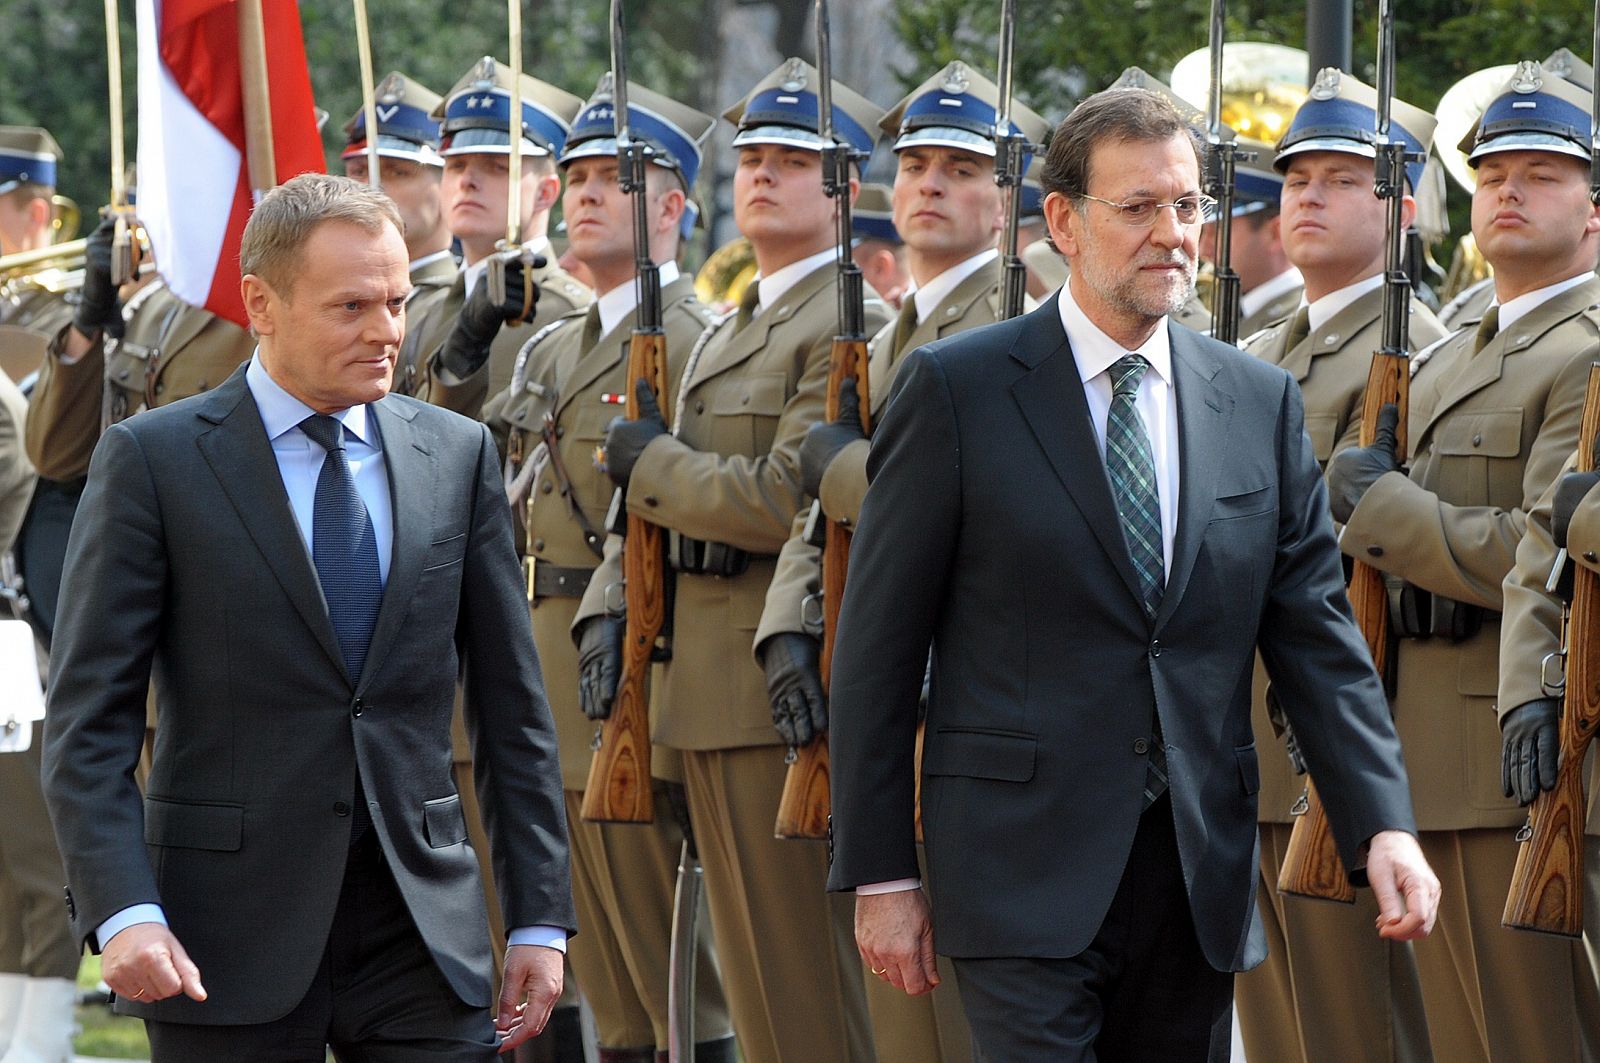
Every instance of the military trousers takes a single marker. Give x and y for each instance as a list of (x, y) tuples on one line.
[(36, 939)]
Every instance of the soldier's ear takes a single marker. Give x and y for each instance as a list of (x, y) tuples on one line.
[(1408, 211)]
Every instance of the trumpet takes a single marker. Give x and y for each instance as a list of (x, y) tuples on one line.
[(63, 255)]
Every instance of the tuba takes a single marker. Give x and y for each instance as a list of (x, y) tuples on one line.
[(1262, 86), (728, 271)]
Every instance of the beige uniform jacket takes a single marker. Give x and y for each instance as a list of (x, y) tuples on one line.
[(732, 476), (1331, 366), (560, 293), (1489, 432), (16, 474), (1531, 629), (170, 351), (29, 316), (571, 374), (430, 286), (974, 302), (1275, 310)]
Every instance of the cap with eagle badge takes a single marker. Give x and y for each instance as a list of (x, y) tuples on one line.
[(28, 155), (783, 109), (1341, 114), (956, 108), (476, 115), (674, 134), (1536, 111), (406, 126)]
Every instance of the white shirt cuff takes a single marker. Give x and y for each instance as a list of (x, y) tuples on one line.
[(899, 885), (137, 913), (551, 937)]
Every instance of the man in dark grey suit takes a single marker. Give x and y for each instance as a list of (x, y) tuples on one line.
[(306, 563), (1094, 517)]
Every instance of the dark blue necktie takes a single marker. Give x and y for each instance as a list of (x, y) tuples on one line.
[(344, 549)]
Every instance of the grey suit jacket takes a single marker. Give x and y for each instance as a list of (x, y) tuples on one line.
[(989, 532), (185, 559)]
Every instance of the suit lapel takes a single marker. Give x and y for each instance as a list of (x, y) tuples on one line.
[(1052, 401), (240, 455), (410, 465), (1204, 411)]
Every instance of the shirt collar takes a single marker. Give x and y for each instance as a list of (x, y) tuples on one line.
[(281, 411), (470, 274), (775, 287), (619, 302), (1324, 309), (930, 295), (1266, 291), (1095, 352), (1528, 302)]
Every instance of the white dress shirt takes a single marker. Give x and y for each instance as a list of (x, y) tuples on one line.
[(618, 303), (775, 287), (1523, 305), (1323, 309), (299, 464), (929, 296)]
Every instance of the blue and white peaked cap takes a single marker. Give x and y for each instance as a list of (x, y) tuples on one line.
[(1536, 111), (783, 109), (406, 126), (872, 216), (1257, 186), (675, 134), (476, 116), (1341, 114), (28, 155), (956, 109)]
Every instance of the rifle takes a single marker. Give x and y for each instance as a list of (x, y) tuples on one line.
[(1311, 865), (1221, 157), (509, 253), (1547, 884), (803, 809), (618, 790), (1009, 148)]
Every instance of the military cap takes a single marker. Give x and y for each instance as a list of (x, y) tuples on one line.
[(1256, 184), (27, 154), (406, 126), (1563, 63), (1032, 208), (783, 109), (1136, 78), (1536, 111), (674, 134), (1340, 114), (476, 116), (872, 217), (956, 108)]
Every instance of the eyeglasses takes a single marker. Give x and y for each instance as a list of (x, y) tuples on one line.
[(1141, 213)]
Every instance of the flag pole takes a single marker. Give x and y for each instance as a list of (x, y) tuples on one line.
[(369, 102), (257, 98)]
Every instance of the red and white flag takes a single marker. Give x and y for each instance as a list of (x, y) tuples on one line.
[(194, 185)]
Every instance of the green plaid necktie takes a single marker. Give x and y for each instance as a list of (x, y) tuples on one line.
[(1131, 467)]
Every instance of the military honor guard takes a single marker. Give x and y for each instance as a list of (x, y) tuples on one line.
[(463, 348), (1494, 414), (1269, 285), (32, 303), (725, 483), (877, 247), (564, 391), (1332, 229)]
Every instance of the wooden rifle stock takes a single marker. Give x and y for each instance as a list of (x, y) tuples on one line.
[(803, 809), (618, 790), (1547, 885), (1311, 865)]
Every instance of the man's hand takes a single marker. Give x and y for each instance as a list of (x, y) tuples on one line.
[(824, 439), (894, 932), (1406, 887), (599, 664), (1353, 471), (528, 992), (97, 299), (144, 963), (467, 347), (792, 662), (626, 440), (1570, 491), (1530, 747)]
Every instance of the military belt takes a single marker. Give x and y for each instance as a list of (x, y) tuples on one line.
[(698, 557), (1418, 614), (555, 581)]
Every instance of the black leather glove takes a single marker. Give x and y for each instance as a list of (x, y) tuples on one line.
[(467, 347), (1570, 491), (1291, 745), (98, 306), (824, 439), (1530, 744), (626, 440), (1352, 471), (792, 662), (599, 664)]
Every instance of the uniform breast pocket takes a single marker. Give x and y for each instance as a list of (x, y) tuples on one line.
[(747, 411), (1480, 459)]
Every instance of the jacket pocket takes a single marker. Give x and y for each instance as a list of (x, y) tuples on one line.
[(193, 825), (1004, 755), (443, 821), (1244, 504), (1249, 768), (445, 552)]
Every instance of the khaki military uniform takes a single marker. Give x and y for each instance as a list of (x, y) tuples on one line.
[(1195, 314), (623, 875), (29, 316), (1489, 432), (1467, 308), (16, 474), (430, 287), (1273, 311), (1330, 987), (790, 967)]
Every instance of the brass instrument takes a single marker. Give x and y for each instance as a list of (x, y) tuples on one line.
[(726, 274), (56, 258), (1263, 85)]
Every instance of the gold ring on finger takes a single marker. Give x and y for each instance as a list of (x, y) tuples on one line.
[(880, 970)]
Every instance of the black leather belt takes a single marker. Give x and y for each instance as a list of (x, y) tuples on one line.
[(555, 581), (1418, 614), (699, 557)]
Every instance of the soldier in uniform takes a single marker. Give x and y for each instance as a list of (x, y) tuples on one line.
[(409, 172), (32, 306), (1494, 413), (950, 213), (725, 482), (563, 393), (877, 246), (461, 351), (1324, 966), (1269, 286)]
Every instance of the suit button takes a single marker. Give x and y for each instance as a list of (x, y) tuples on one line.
[(1155, 648), (340, 808), (1375, 551), (651, 500), (356, 708), (1140, 746)]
